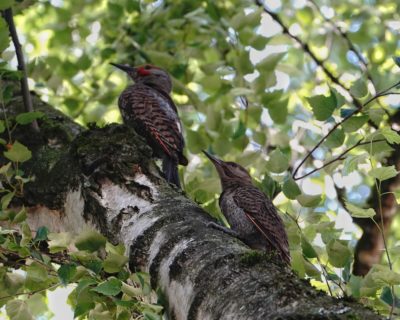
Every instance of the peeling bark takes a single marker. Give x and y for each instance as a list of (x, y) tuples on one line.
[(105, 178)]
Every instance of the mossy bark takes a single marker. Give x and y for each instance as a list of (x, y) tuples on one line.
[(105, 177)]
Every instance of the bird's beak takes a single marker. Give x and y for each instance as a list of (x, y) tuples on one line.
[(217, 162), (123, 67)]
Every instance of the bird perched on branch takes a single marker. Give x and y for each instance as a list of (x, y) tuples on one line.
[(148, 107), (252, 216)]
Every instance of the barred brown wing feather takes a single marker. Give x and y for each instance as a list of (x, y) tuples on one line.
[(150, 108), (262, 213)]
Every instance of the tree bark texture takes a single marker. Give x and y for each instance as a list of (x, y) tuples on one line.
[(105, 178)]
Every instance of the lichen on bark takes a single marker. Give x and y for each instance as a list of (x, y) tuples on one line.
[(204, 273)]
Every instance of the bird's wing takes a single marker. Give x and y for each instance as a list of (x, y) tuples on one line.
[(263, 214), (156, 117)]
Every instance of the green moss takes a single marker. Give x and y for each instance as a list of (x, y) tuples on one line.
[(253, 257)]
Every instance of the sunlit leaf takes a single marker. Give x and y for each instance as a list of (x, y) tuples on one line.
[(18, 153), (351, 163), (277, 162), (354, 123), (308, 200), (390, 135), (323, 106), (359, 88), (90, 240), (18, 310), (66, 272), (338, 253), (383, 173), (290, 188), (110, 287), (358, 212), (28, 117)]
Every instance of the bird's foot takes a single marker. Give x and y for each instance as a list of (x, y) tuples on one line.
[(223, 229)]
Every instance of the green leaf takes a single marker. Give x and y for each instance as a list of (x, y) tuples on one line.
[(354, 123), (5, 200), (390, 135), (18, 153), (82, 307), (387, 297), (28, 117), (358, 212), (336, 139), (4, 37), (339, 253), (323, 106), (59, 241), (376, 114), (13, 282), (2, 126), (278, 111), (359, 88), (379, 276), (277, 162), (351, 163), (90, 240), (37, 304), (5, 4), (270, 62), (309, 201), (41, 234), (66, 272), (21, 216), (397, 195), (36, 274), (290, 188), (383, 173), (18, 310), (114, 263), (308, 249), (110, 287)]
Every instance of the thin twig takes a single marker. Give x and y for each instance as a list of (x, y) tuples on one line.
[(339, 157), (339, 31), (31, 293), (306, 48), (380, 94), (8, 16)]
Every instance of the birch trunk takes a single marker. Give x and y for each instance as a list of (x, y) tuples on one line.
[(105, 178)]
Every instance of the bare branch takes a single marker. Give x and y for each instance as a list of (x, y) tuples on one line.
[(378, 95), (339, 157), (8, 16), (307, 49)]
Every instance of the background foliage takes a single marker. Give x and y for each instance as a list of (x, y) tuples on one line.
[(258, 88)]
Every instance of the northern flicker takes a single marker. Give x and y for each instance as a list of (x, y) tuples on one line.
[(147, 106), (252, 216)]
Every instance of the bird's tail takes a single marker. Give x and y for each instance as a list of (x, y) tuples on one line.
[(170, 169)]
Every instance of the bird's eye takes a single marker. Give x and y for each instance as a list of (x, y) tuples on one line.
[(147, 67)]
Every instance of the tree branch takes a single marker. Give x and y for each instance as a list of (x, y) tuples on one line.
[(339, 31), (380, 94), (339, 157), (306, 48), (8, 16), (110, 182)]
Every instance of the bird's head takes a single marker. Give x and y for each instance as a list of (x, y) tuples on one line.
[(148, 74), (230, 173)]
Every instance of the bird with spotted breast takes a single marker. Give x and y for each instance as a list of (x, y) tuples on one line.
[(251, 214), (148, 107)]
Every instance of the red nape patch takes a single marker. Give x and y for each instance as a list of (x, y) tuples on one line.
[(143, 72)]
